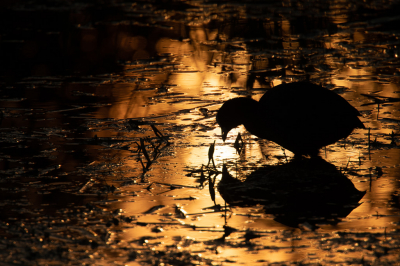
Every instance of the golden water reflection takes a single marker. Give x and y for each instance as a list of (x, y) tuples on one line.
[(204, 77), (83, 85)]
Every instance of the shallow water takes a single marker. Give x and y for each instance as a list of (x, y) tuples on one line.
[(86, 180)]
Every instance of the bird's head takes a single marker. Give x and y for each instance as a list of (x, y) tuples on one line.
[(232, 114)]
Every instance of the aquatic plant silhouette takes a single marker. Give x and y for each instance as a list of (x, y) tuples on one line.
[(153, 148), (211, 154), (379, 100)]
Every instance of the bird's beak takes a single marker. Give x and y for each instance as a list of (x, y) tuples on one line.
[(224, 134)]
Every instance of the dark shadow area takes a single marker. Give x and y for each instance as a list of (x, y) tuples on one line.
[(74, 39), (306, 190)]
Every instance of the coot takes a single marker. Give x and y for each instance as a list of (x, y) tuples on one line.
[(301, 117)]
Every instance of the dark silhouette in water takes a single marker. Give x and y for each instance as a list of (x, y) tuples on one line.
[(301, 117), (309, 190)]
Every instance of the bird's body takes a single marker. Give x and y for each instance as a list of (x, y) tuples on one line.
[(301, 117)]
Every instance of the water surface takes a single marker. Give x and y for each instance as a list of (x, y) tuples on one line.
[(85, 87)]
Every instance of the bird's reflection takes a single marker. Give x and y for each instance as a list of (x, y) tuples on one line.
[(310, 191)]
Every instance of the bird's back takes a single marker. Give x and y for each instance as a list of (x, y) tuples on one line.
[(303, 117)]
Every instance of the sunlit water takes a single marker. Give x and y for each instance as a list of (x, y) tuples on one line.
[(74, 128)]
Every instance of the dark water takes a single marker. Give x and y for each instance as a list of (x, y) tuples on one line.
[(86, 177)]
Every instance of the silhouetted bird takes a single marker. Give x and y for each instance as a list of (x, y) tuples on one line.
[(301, 117)]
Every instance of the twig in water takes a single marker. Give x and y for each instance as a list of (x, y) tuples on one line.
[(159, 134), (369, 140), (211, 188), (211, 154), (370, 178), (202, 177), (393, 142), (238, 145), (143, 147)]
